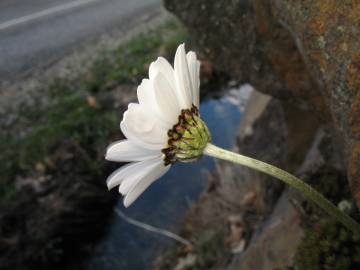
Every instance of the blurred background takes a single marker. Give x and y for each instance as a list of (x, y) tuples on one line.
[(279, 82)]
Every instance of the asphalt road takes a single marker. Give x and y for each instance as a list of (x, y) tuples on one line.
[(34, 33)]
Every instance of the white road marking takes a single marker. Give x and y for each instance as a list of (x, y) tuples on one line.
[(44, 12)]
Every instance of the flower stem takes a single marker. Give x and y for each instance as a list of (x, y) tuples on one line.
[(310, 193)]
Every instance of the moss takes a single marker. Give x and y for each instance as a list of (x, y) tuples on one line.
[(70, 119), (328, 245)]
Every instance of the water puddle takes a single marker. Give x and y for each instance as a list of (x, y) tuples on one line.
[(166, 201)]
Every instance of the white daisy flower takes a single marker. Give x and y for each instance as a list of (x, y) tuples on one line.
[(162, 128), (165, 127)]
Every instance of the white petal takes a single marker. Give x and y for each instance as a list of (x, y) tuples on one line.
[(148, 100), (129, 170), (131, 180), (145, 94), (146, 97), (157, 171), (125, 150), (166, 99), (194, 70), (143, 129), (118, 176), (182, 78), (161, 65), (143, 168)]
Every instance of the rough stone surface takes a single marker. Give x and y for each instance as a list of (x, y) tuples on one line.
[(328, 36), (304, 52), (273, 247), (242, 38)]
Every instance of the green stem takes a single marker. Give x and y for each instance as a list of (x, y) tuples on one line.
[(310, 193)]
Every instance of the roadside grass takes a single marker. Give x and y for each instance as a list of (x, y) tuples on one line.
[(129, 63), (69, 116)]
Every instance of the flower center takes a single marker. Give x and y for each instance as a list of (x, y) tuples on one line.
[(187, 138)]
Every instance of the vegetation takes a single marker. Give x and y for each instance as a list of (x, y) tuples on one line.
[(129, 63), (327, 244), (52, 167), (71, 113)]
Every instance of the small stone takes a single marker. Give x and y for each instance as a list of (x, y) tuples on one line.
[(40, 167), (92, 102), (239, 247), (249, 198), (345, 206), (186, 262), (235, 240)]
